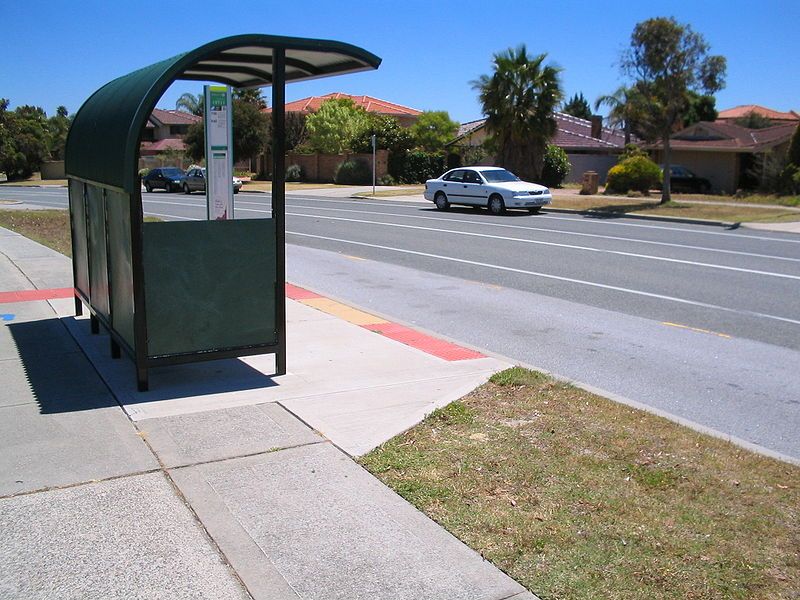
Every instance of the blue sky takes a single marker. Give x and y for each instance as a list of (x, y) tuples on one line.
[(57, 52)]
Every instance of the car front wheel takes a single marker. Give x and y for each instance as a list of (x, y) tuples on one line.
[(148, 187), (496, 205), (440, 200), (186, 189), (534, 210)]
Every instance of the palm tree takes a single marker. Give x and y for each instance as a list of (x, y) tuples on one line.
[(190, 103), (622, 109), (519, 100)]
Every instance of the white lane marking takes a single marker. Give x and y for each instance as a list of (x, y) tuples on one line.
[(554, 277), (152, 214), (544, 229), (542, 243), (549, 217), (577, 219)]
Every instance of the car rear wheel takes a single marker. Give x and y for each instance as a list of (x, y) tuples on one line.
[(440, 200), (496, 205)]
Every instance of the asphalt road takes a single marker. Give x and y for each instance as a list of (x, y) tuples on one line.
[(698, 321)]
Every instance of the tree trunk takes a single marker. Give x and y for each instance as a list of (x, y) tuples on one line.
[(665, 188), (627, 130)]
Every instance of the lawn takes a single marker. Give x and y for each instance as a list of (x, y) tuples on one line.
[(576, 496), (614, 205), (48, 227)]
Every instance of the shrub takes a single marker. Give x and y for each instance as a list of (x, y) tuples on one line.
[(556, 166), (143, 172), (416, 166), (294, 173), (353, 171), (637, 173), (387, 180)]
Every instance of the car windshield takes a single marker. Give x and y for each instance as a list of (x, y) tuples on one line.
[(499, 175), (172, 172)]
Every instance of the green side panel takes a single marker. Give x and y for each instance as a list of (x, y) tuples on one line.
[(209, 285), (98, 261), (118, 210), (80, 256)]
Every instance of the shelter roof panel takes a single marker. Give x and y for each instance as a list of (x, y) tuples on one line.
[(103, 142)]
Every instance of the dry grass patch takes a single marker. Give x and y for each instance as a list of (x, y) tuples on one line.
[(643, 206), (50, 228), (576, 496)]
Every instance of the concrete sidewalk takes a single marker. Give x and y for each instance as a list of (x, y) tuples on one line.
[(222, 481)]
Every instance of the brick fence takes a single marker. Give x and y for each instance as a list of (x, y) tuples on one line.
[(322, 167)]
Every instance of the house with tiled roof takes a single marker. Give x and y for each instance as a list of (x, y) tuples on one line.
[(165, 130), (405, 115), (777, 117), (726, 154), (589, 145)]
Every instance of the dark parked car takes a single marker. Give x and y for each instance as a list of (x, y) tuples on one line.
[(682, 179), (169, 179)]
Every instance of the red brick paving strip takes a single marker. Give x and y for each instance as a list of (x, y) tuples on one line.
[(30, 295), (416, 339), (298, 293), (400, 333)]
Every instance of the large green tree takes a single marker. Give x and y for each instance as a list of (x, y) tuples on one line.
[(58, 127), (577, 106), (250, 133), (666, 61), (701, 108), (24, 140), (335, 125), (389, 135), (519, 100), (433, 129)]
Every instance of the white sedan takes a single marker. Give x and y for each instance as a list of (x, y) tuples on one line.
[(492, 187)]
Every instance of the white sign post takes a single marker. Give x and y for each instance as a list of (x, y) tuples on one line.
[(219, 152)]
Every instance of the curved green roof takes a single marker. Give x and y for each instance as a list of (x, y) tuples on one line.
[(103, 141)]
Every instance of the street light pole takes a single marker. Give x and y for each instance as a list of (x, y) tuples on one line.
[(374, 144)]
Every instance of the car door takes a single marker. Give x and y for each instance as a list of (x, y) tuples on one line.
[(474, 191), (452, 184)]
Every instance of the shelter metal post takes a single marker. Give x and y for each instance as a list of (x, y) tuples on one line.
[(279, 199)]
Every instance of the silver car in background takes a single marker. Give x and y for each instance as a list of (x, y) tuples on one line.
[(195, 181)]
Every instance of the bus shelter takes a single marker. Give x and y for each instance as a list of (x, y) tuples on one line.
[(177, 292)]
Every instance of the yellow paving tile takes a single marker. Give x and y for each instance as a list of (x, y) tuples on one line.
[(337, 309)]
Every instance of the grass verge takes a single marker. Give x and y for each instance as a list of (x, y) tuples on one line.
[(619, 206), (48, 227), (576, 496)]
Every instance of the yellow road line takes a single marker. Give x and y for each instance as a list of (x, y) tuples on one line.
[(697, 329), (337, 309)]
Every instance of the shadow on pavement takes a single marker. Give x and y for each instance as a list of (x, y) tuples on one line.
[(62, 378), (57, 373)]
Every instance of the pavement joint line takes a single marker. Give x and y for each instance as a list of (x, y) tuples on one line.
[(163, 469), (274, 450), (68, 486), (379, 387)]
